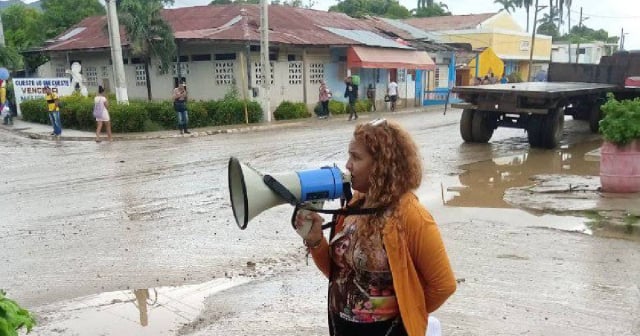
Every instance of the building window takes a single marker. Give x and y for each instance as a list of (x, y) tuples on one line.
[(105, 71), (524, 45), (402, 75), (61, 71), (183, 58), (91, 76), (295, 73), (141, 75), (184, 69), (257, 72), (437, 76), (224, 73), (316, 73), (225, 57), (201, 58)]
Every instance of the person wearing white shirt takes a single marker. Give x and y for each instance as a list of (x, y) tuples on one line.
[(392, 91)]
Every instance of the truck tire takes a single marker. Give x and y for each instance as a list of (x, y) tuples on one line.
[(552, 128), (481, 127), (466, 121), (534, 130), (594, 118)]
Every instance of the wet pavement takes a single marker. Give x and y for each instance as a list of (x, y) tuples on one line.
[(137, 237)]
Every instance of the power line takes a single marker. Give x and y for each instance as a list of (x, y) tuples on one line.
[(606, 16)]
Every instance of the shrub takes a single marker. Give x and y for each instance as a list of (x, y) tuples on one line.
[(337, 107), (289, 110), (621, 122), (13, 317), (161, 113), (363, 105), (128, 118), (35, 110)]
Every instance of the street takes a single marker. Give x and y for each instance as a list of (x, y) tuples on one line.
[(81, 219)]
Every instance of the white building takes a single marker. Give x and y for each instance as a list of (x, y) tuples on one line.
[(588, 53)]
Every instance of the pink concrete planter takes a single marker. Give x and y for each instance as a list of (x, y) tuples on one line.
[(620, 167)]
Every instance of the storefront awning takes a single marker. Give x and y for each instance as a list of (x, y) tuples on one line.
[(386, 58)]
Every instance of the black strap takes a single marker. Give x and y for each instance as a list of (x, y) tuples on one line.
[(280, 189)]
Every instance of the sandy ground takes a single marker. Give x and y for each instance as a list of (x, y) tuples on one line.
[(137, 237)]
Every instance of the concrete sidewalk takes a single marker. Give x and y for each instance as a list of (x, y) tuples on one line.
[(43, 132)]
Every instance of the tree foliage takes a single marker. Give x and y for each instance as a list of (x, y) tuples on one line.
[(59, 15), (585, 34), (435, 9), (361, 8)]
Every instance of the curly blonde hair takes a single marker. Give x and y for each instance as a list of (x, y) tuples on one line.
[(397, 166), (397, 169)]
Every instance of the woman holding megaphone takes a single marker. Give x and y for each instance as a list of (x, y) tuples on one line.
[(387, 270)]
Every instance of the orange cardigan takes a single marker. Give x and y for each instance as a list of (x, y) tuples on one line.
[(422, 275)]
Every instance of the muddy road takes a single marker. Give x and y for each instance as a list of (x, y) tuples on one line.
[(138, 238)]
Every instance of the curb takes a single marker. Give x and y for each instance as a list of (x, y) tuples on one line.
[(195, 133)]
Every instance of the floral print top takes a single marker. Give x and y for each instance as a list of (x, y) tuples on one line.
[(361, 285)]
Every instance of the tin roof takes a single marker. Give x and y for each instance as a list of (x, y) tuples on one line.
[(239, 23), (450, 22)]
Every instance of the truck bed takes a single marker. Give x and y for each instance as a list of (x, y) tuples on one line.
[(537, 89)]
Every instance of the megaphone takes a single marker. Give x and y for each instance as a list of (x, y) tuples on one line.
[(253, 192)]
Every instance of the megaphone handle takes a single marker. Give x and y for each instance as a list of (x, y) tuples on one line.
[(305, 227)]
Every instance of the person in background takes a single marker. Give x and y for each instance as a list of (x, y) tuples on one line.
[(492, 78), (180, 105), (351, 92), (5, 111), (392, 91), (53, 109), (371, 95), (387, 268), (101, 113), (504, 79), (324, 95)]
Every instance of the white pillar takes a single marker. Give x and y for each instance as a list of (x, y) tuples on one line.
[(116, 52), (264, 57)]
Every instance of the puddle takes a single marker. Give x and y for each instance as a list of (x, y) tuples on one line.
[(483, 184), (155, 311)]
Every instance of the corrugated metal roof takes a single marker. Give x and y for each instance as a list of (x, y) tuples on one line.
[(367, 38), (416, 33), (287, 25), (451, 22)]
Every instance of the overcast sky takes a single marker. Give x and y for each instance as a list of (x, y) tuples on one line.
[(610, 15)]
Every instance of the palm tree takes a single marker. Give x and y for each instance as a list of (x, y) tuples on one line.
[(527, 4), (149, 35), (508, 5)]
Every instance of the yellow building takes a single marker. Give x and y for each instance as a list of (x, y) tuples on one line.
[(498, 32)]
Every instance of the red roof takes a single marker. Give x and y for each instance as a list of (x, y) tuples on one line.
[(288, 25), (451, 22)]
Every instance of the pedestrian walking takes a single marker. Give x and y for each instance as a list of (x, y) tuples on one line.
[(53, 109), (386, 264), (101, 113), (180, 105), (351, 93), (371, 95), (324, 95), (392, 91)]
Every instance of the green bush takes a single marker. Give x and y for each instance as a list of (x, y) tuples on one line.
[(13, 317), (337, 107), (142, 115), (363, 105), (621, 122), (288, 110)]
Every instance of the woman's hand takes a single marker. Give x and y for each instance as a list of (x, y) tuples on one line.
[(308, 225)]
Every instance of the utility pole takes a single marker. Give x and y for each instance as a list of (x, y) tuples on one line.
[(622, 39), (116, 52), (579, 38), (2, 43), (533, 38), (264, 58)]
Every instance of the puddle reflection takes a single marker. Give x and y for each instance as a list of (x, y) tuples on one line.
[(483, 184), (156, 311)]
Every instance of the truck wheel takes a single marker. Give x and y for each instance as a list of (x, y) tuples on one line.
[(534, 130), (552, 128), (465, 125), (481, 126), (594, 118)]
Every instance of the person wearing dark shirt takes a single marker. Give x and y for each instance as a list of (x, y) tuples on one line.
[(351, 92)]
